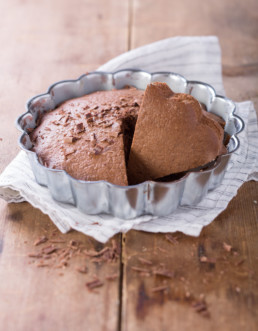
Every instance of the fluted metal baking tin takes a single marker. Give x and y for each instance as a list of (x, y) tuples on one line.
[(127, 202)]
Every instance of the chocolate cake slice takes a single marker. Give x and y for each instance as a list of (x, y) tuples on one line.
[(173, 134)]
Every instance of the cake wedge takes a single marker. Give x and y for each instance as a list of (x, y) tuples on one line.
[(173, 134)]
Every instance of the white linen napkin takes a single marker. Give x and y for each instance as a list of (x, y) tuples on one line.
[(196, 58)]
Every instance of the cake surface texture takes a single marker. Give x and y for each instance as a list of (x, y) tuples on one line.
[(85, 136)]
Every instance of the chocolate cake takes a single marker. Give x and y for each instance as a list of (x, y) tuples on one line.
[(90, 137), (173, 134)]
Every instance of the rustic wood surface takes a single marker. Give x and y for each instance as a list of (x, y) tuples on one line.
[(172, 282)]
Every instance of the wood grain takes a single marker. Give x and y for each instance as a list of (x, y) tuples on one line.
[(43, 42), (46, 41), (200, 270), (53, 297)]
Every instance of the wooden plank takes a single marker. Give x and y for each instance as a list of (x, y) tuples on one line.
[(210, 282), (45, 42), (234, 22), (215, 273), (51, 293)]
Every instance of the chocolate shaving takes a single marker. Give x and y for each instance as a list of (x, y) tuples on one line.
[(66, 119), (82, 270), (80, 127), (98, 150), (227, 247), (240, 262), (70, 140), (171, 239), (163, 273), (41, 265), (138, 269), (96, 254), (115, 107), (69, 152), (49, 250), (205, 259), (159, 288), (93, 137), (56, 241), (162, 250), (40, 241), (93, 284), (35, 255), (112, 277), (200, 306), (144, 261)]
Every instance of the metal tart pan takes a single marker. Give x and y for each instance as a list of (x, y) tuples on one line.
[(150, 197)]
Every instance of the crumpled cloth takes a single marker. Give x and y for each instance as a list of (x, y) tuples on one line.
[(196, 58)]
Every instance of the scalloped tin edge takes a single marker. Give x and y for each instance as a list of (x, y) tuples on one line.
[(127, 202)]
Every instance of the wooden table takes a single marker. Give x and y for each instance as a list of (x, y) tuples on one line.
[(210, 281)]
